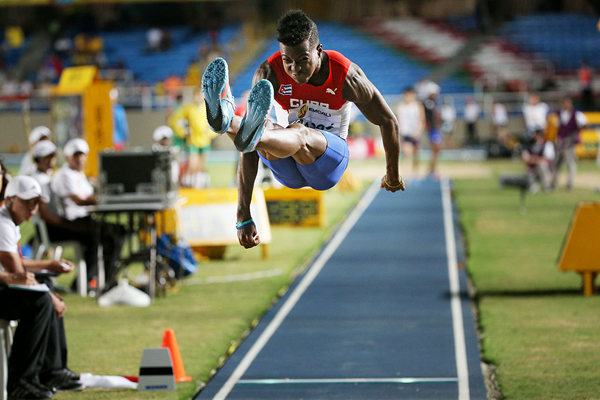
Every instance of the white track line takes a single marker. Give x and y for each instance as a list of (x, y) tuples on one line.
[(234, 278), (460, 347), (298, 292), (288, 381)]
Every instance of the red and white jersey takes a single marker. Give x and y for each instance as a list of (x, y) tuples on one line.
[(317, 107)]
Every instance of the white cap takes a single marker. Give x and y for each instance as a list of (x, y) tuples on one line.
[(75, 146), (43, 149), (25, 187), (37, 133), (162, 132)]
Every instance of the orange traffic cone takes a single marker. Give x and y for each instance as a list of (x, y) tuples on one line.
[(178, 370)]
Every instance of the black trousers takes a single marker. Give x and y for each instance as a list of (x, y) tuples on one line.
[(112, 238), (31, 355), (55, 359)]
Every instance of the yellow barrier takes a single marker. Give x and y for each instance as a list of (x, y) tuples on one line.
[(581, 249), (298, 207)]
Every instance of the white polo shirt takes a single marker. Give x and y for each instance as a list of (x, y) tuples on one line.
[(67, 182), (45, 180), (10, 234), (536, 116)]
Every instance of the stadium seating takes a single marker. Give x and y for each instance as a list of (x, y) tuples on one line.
[(390, 70), (565, 39), (149, 67)]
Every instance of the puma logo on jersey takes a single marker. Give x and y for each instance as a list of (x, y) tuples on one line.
[(332, 91)]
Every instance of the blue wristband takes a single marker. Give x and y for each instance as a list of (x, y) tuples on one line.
[(242, 225)]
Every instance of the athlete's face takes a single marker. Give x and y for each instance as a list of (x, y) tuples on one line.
[(301, 61)]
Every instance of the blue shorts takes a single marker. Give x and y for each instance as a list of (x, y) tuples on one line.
[(410, 139), (323, 174), (435, 136)]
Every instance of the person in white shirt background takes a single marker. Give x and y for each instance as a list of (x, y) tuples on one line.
[(535, 114), (411, 120), (44, 157), (471, 115), (570, 122), (448, 115), (37, 134), (22, 198), (500, 121), (74, 191)]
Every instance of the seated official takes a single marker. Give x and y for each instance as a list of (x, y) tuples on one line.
[(40, 361), (73, 191), (59, 228), (538, 158)]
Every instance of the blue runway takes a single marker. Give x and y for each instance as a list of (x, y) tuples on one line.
[(382, 314)]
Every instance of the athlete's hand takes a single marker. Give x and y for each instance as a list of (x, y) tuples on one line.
[(392, 185), (248, 236)]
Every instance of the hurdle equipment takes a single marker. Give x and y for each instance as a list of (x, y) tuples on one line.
[(170, 342), (156, 370)]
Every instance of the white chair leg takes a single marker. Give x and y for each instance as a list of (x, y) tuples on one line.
[(4, 328), (58, 252), (82, 278)]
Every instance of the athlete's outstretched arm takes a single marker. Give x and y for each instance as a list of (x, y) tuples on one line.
[(247, 170), (361, 91)]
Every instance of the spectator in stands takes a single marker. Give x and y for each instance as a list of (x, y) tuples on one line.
[(162, 138), (120, 134), (472, 113), (538, 159), (166, 40), (154, 37), (425, 87), (585, 75), (500, 121), (37, 134), (173, 85), (192, 133), (14, 38), (80, 55), (432, 123), (535, 114), (73, 191), (411, 119), (570, 122), (63, 47), (48, 346)]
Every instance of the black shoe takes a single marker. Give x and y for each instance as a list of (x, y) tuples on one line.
[(27, 390), (44, 388), (62, 380), (74, 376)]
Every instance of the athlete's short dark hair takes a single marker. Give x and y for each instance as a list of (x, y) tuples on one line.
[(295, 27)]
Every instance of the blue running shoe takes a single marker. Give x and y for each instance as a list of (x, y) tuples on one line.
[(217, 95), (260, 101)]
